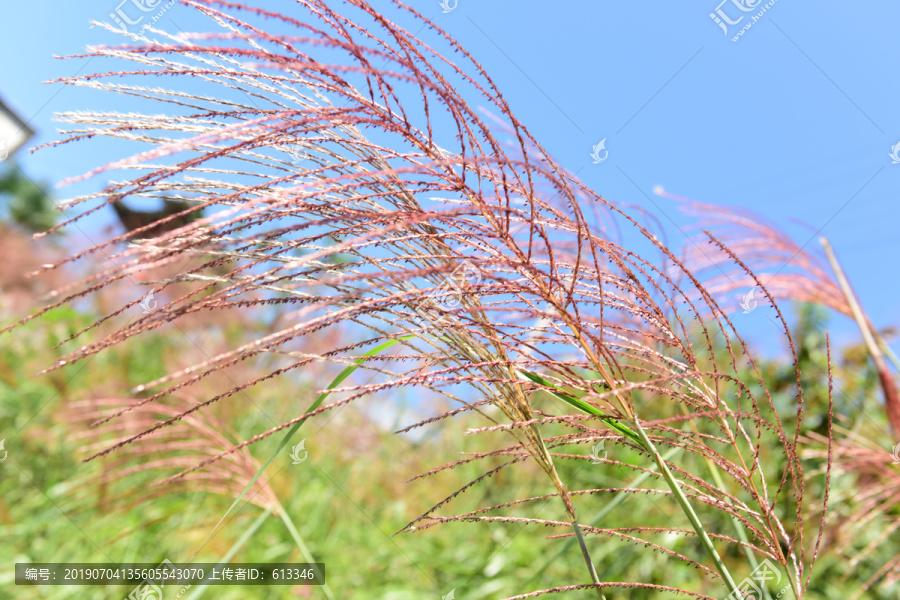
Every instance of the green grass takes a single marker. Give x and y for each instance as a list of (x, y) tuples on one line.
[(346, 501)]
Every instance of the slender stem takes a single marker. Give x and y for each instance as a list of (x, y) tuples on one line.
[(616, 501), (858, 314), (641, 438), (687, 509), (738, 526), (570, 508), (336, 382), (891, 399), (200, 589), (587, 558), (304, 550), (887, 350), (648, 444)]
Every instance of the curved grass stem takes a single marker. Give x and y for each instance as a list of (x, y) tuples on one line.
[(641, 438), (587, 558), (570, 509), (318, 401), (304, 550), (687, 509), (199, 590), (619, 499)]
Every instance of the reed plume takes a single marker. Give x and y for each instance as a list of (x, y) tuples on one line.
[(174, 449), (790, 271), (342, 173)]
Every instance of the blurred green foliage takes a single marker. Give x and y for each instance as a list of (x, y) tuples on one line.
[(349, 498), (27, 203)]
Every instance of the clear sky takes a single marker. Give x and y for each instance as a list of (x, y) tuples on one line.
[(795, 119)]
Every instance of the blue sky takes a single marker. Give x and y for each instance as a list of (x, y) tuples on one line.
[(795, 120)]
